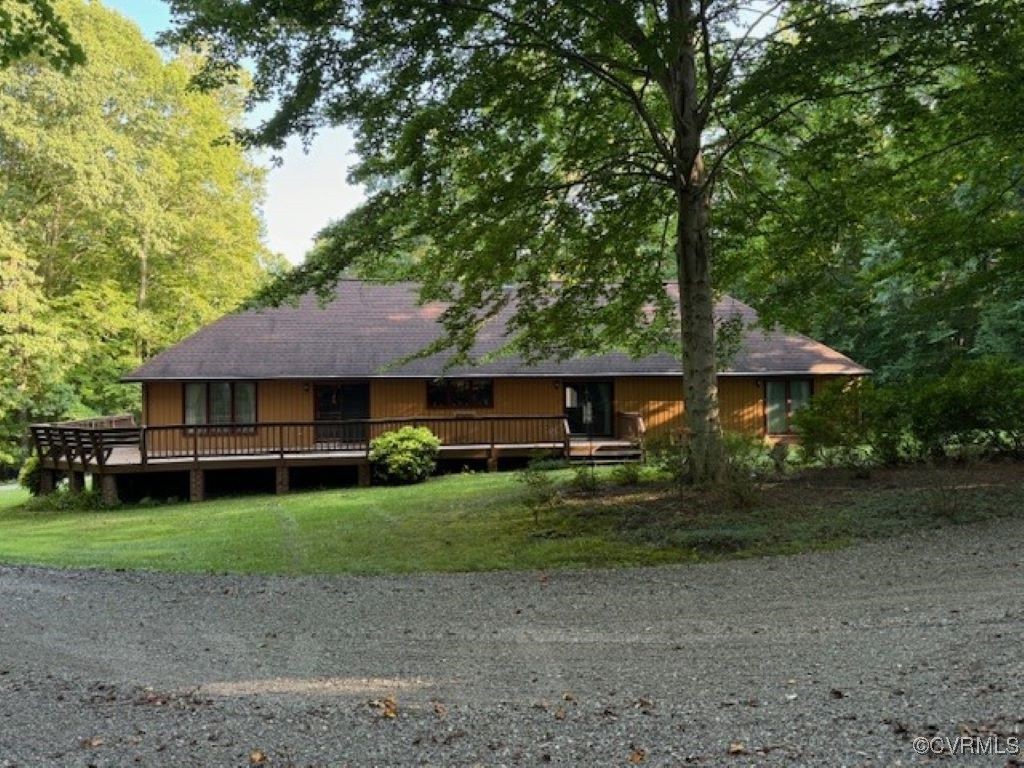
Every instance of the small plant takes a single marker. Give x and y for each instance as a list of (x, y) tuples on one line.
[(30, 476), (584, 478), (667, 456), (406, 455), (541, 489), (626, 474), (66, 500)]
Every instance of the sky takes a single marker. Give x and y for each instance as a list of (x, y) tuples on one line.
[(308, 189)]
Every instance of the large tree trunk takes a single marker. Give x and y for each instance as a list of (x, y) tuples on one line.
[(697, 325), (705, 458)]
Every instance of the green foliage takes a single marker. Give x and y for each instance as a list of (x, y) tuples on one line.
[(66, 500), (34, 28), (977, 406), (406, 455), (627, 473), (584, 478), (128, 218), (29, 475), (541, 489), (571, 149), (978, 403), (666, 456)]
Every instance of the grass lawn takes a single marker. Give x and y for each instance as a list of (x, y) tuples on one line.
[(482, 522)]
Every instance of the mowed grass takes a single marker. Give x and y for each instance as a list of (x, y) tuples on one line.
[(476, 522)]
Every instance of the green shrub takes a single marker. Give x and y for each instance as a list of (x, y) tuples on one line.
[(627, 473), (666, 456), (979, 404), (856, 424), (30, 477), (584, 478), (406, 455), (541, 489), (66, 500)]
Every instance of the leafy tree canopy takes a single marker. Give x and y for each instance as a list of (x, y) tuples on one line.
[(128, 218), (517, 141)]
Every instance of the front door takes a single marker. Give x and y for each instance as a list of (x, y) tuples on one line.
[(341, 402), (588, 408)]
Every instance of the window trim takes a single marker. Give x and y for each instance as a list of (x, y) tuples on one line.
[(788, 380), (230, 428), (448, 406)]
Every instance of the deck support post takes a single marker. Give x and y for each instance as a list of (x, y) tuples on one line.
[(364, 475), (281, 480), (196, 485), (108, 490), (492, 460), (76, 481), (47, 482)]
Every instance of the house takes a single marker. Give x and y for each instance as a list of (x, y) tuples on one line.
[(298, 386)]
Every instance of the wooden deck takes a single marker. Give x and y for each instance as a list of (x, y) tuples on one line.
[(112, 447)]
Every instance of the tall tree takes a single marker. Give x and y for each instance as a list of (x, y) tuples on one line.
[(913, 256), (35, 28), (510, 141), (128, 215)]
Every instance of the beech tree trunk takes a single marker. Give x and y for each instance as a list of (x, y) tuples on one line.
[(704, 449), (697, 326)]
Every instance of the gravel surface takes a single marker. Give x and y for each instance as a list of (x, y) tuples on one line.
[(825, 659)]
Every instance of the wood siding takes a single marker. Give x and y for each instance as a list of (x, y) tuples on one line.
[(657, 398), (407, 398)]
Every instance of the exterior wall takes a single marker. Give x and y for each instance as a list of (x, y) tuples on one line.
[(657, 398), (163, 403), (407, 398)]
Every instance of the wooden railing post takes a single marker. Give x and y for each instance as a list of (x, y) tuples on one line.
[(195, 443), (143, 449), (280, 440)]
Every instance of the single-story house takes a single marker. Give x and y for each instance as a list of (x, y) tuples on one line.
[(302, 385)]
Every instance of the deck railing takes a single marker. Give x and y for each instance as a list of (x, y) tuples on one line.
[(84, 444)]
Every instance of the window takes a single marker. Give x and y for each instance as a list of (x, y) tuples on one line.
[(783, 398), (460, 393), (220, 402)]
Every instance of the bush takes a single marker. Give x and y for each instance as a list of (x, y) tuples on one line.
[(29, 477), (540, 488), (667, 456), (407, 455), (66, 500), (626, 474), (978, 404), (856, 424), (584, 478)]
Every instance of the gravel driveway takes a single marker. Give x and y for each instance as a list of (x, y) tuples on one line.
[(825, 659)]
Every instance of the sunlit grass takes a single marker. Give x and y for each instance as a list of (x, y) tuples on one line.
[(483, 522)]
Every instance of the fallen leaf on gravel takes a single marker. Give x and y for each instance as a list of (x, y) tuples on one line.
[(835, 693), (92, 743), (257, 757), (560, 713), (440, 709), (387, 707), (736, 748), (638, 756), (567, 696)]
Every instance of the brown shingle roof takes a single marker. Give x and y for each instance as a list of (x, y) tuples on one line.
[(370, 325)]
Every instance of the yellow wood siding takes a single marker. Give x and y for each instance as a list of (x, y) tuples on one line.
[(658, 399), (741, 405), (406, 398), (284, 401), (163, 403), (398, 398)]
